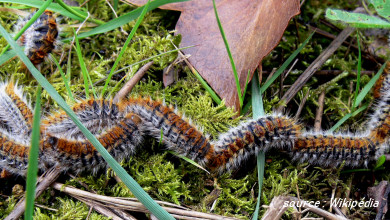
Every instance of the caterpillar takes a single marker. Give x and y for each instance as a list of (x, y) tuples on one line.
[(120, 128), (40, 39)]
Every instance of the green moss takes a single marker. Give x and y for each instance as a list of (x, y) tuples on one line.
[(68, 209)]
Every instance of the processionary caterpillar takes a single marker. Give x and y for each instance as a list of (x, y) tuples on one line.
[(40, 39), (121, 127)]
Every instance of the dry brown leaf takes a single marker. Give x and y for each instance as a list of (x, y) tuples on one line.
[(252, 27)]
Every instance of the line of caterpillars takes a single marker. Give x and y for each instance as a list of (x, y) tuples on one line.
[(121, 127)]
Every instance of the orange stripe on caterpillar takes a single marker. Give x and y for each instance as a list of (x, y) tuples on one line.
[(13, 154)]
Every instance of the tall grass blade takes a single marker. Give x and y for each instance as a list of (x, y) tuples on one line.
[(76, 13), (285, 64), (84, 70), (213, 95), (52, 7), (66, 81), (367, 88), (32, 169), (347, 116), (359, 98), (116, 5), (7, 56), (359, 68), (122, 20), (141, 17), (258, 110), (238, 87)]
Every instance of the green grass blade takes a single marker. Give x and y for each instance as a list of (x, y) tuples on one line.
[(69, 67), (52, 7), (66, 81), (139, 62), (359, 98), (7, 56), (246, 84), (355, 171), (134, 187), (188, 160), (76, 13), (381, 160), (122, 20), (84, 70), (32, 169), (347, 116), (359, 68), (213, 95), (258, 110), (151, 58), (285, 64), (366, 89), (145, 9), (238, 87), (30, 22), (115, 5)]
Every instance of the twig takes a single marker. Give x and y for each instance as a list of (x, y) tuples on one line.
[(115, 214), (45, 181), (132, 82), (331, 72), (125, 204), (301, 81), (276, 208), (116, 15), (45, 207), (301, 105), (320, 111)]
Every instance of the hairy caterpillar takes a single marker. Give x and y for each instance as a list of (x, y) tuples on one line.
[(15, 112), (121, 127), (40, 39)]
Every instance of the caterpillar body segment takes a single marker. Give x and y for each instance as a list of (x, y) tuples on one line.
[(331, 150), (119, 132), (15, 111), (13, 153), (96, 115), (40, 39), (379, 124), (77, 155), (236, 145), (382, 85), (162, 122)]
